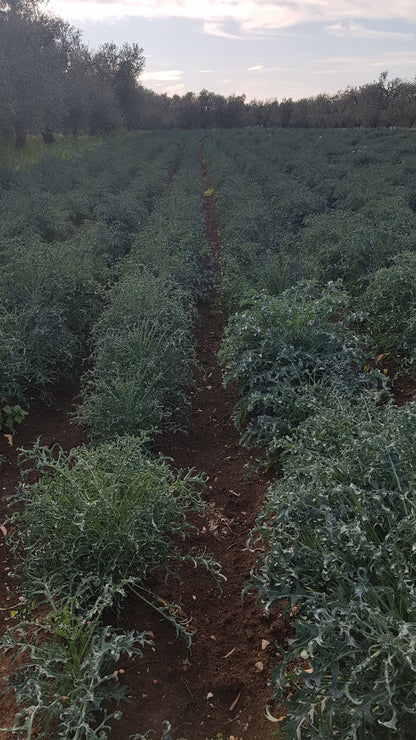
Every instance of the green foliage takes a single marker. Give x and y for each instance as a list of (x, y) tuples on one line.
[(143, 351), (339, 533), (288, 352), (96, 524), (66, 675), (337, 529), (390, 299), (10, 415), (327, 204), (50, 296), (143, 343), (36, 347), (64, 221), (112, 512), (249, 266), (173, 244), (119, 218), (351, 246)]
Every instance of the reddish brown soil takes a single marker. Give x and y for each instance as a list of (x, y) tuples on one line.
[(401, 385), (221, 685)]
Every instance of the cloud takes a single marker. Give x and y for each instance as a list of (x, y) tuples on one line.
[(357, 30), (249, 16), (169, 75), (396, 59), (212, 28), (338, 60), (333, 64), (255, 68)]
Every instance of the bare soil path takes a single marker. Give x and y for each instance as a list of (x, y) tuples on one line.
[(220, 688), (222, 684)]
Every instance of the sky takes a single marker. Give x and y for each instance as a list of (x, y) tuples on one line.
[(263, 49)]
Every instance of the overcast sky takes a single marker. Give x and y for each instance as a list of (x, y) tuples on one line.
[(261, 48)]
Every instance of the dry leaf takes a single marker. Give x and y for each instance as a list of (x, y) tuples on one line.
[(3, 530), (235, 702), (265, 644), (9, 438)]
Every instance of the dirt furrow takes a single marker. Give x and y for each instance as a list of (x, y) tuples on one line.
[(220, 689)]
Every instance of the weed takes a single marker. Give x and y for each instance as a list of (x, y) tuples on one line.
[(11, 415)]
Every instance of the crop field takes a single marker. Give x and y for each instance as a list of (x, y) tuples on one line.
[(208, 438)]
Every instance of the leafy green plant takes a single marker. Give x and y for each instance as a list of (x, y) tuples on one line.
[(143, 354), (64, 221), (351, 246), (390, 299), (10, 415), (287, 352), (36, 346), (360, 679), (334, 204), (92, 529), (66, 676), (338, 530), (112, 511)]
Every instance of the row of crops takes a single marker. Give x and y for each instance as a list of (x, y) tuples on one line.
[(318, 233), (102, 257)]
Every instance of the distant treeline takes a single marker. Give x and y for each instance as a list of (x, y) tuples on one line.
[(51, 82), (381, 103)]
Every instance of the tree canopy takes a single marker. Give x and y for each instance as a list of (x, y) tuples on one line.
[(50, 81)]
